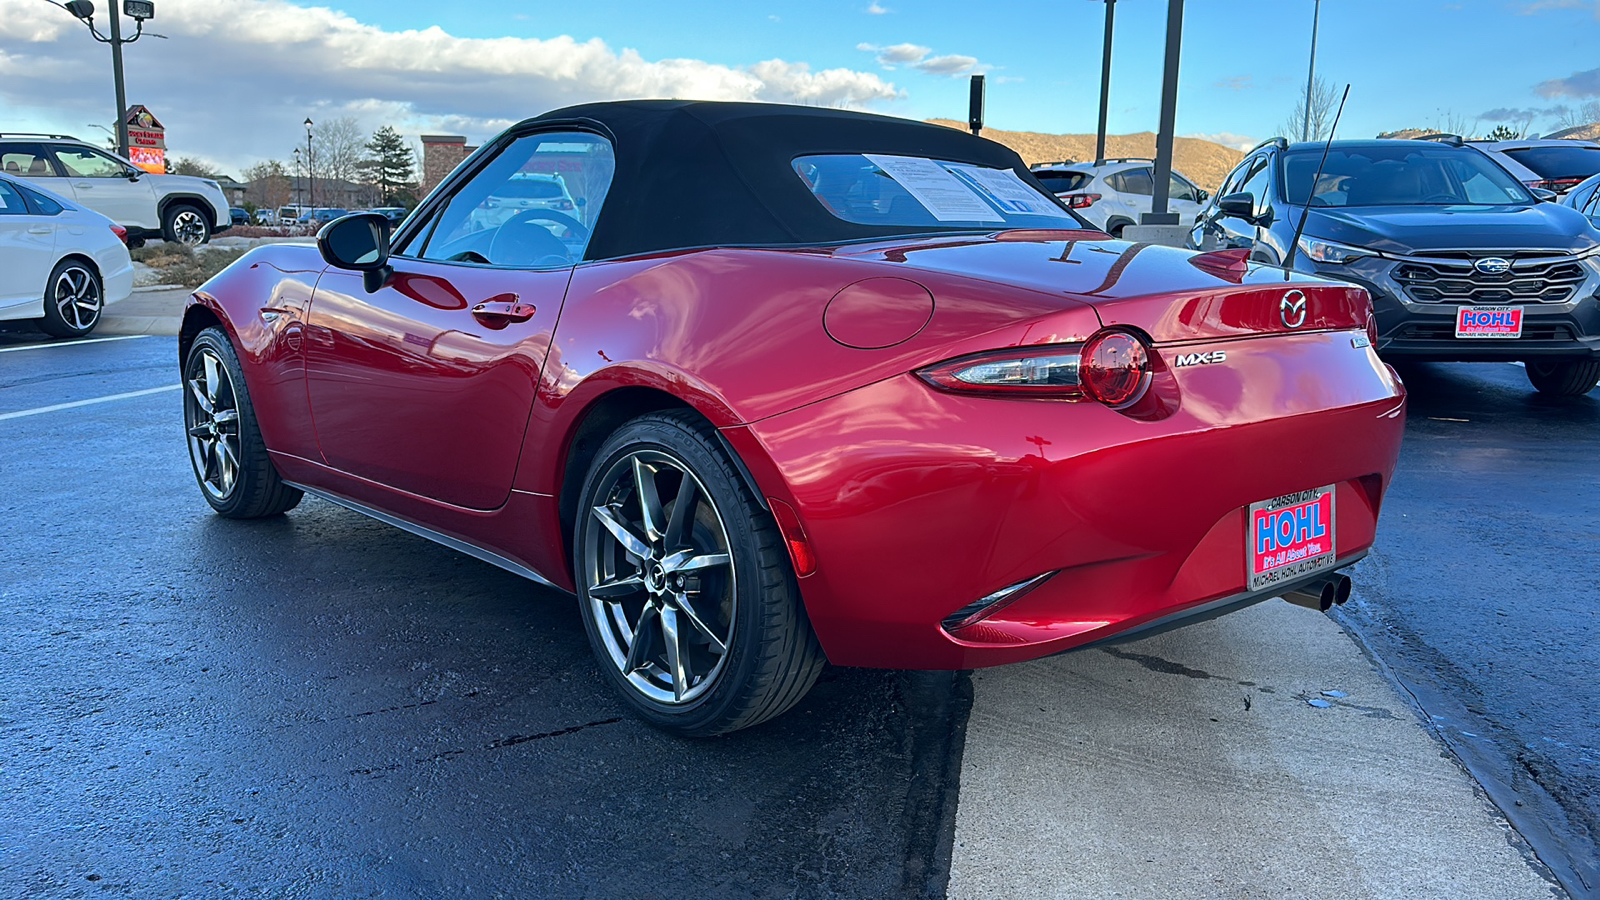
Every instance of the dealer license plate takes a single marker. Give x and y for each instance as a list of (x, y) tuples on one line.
[(1488, 321), (1290, 536)]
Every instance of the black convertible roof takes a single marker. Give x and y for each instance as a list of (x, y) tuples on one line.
[(701, 173)]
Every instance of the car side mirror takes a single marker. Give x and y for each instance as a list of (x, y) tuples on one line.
[(134, 174), (1544, 196), (1201, 196), (360, 243), (1241, 206)]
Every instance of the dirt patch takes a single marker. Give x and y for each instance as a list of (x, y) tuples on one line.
[(1200, 161)]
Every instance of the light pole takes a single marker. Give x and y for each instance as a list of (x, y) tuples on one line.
[(1105, 81), (299, 176), (311, 175), (1158, 214), (1311, 73), (140, 10)]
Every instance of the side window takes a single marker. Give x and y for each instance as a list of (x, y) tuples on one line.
[(39, 204), (11, 202), (1255, 184), (1230, 185), (81, 162), (1178, 189), (26, 160), (1138, 181), (533, 205)]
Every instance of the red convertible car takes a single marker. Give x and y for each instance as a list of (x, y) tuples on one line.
[(785, 385)]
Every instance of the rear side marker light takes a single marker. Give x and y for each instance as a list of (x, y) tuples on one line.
[(794, 537)]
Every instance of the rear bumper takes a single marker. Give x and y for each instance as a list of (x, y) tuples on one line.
[(916, 503)]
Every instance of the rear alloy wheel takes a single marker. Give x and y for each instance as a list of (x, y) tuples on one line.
[(1571, 378), (73, 301), (225, 448), (185, 224), (685, 585)]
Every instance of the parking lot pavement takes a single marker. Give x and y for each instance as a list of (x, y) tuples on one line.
[(1191, 765), (157, 312)]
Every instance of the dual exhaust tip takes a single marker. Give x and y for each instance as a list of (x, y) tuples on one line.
[(1322, 594)]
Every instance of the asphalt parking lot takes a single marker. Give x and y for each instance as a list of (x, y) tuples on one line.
[(323, 706)]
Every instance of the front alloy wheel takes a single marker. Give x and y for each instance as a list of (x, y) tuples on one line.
[(685, 584), (187, 225), (229, 457)]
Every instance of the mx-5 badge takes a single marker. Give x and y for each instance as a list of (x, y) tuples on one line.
[(1199, 359)]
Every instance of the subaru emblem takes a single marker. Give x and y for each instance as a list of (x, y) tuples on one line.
[(1292, 309), (1493, 265)]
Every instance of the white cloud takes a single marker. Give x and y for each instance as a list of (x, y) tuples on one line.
[(1227, 139), (237, 76), (877, 9), (916, 56)]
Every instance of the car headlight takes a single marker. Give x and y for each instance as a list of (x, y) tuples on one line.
[(1330, 254)]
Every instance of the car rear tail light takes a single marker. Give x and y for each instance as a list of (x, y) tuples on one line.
[(1045, 371), (1115, 369), (1080, 201), (1559, 185), (120, 232), (562, 204)]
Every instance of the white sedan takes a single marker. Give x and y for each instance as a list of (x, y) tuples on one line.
[(59, 262)]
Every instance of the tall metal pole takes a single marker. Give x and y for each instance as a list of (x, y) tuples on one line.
[(311, 173), (1311, 74), (116, 76), (1158, 214), (1105, 82)]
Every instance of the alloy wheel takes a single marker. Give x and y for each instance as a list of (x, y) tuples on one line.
[(660, 577), (211, 412), (77, 298), (189, 227)]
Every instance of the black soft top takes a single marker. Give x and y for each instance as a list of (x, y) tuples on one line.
[(701, 173)]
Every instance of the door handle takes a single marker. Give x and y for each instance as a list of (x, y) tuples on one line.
[(503, 308), (83, 184), (40, 229)]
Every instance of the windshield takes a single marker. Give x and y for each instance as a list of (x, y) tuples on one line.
[(927, 194), (1399, 175)]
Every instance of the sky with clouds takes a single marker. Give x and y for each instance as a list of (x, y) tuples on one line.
[(233, 79)]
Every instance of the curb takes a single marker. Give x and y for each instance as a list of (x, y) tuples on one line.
[(153, 325), (149, 288)]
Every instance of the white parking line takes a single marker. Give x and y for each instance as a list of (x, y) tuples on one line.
[(90, 402), (48, 345)]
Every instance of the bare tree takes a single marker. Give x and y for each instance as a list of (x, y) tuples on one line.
[(1323, 103), (1448, 121), (268, 184), (1576, 116), (339, 146)]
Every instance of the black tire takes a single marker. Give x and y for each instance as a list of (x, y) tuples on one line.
[(749, 603), (74, 298), (230, 461), (185, 223), (1569, 378)]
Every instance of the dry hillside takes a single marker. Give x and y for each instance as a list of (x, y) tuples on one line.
[(1202, 162)]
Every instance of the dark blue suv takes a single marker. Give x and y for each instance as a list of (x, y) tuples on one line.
[(1462, 260)]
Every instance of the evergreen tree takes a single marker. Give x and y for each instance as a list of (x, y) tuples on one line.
[(389, 164)]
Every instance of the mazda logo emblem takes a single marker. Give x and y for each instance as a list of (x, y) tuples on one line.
[(1292, 309), (1492, 265)]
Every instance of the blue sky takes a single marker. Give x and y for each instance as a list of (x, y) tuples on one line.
[(236, 77)]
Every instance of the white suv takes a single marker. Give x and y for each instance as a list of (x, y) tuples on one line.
[(1113, 193), (1554, 165), (177, 208)]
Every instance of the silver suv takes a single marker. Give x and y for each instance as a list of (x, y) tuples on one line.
[(1113, 193), (177, 208)]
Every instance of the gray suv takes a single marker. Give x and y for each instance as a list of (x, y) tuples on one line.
[(177, 208)]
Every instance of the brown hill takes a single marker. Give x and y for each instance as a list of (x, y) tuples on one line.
[(1202, 162)]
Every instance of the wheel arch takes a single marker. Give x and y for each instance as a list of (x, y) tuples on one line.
[(598, 420), (195, 200), (196, 319)]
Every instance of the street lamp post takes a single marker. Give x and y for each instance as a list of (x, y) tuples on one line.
[(140, 10), (1105, 81), (1311, 74), (311, 174)]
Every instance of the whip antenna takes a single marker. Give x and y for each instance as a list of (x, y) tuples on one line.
[(1294, 245)]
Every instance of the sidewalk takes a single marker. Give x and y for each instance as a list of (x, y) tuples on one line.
[(146, 311), (1191, 765)]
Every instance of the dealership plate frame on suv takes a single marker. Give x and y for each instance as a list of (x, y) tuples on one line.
[(1489, 322)]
